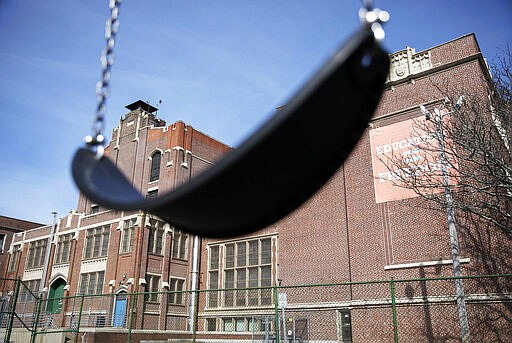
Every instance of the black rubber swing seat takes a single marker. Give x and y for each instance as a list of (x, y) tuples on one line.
[(276, 169)]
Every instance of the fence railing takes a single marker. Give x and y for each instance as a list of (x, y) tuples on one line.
[(413, 310)]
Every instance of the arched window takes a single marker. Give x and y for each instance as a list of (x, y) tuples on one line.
[(155, 166)]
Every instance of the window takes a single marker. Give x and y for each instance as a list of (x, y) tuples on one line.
[(36, 254), (16, 251), (211, 324), (250, 324), (213, 275), (247, 324), (152, 283), (63, 250), (127, 235), (95, 209), (344, 324), (96, 242), (176, 286), (152, 194), (156, 236), (155, 166), (228, 324), (246, 264), (92, 283), (179, 245), (250, 268), (2, 242), (29, 291)]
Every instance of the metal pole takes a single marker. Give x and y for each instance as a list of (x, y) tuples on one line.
[(193, 294), (393, 307), (81, 308), (284, 325), (252, 329), (454, 242), (132, 311), (36, 321), (277, 325), (47, 260), (12, 312)]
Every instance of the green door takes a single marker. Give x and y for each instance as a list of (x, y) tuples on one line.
[(55, 296)]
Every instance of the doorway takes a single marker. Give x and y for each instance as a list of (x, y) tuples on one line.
[(120, 309), (55, 296)]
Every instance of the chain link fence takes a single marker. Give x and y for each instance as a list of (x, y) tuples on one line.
[(414, 310), (18, 311)]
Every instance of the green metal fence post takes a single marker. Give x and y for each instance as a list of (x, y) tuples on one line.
[(196, 316), (130, 320), (79, 317), (393, 305), (13, 310), (36, 321), (276, 302)]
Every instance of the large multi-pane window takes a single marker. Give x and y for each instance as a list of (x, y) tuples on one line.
[(16, 251), (96, 242), (179, 245), (152, 284), (29, 291), (127, 235), (241, 324), (156, 235), (63, 249), (92, 283), (176, 288), (36, 253), (246, 264), (155, 166)]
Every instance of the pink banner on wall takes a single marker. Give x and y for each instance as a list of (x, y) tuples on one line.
[(401, 142)]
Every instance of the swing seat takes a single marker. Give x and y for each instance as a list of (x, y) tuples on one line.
[(276, 169)]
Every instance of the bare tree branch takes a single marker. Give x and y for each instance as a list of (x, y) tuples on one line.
[(477, 138)]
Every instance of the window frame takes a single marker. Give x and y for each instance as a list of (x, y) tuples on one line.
[(153, 282), (87, 287), (156, 237), (61, 248), (245, 264), (179, 249), (127, 235), (3, 238), (96, 242), (176, 291), (13, 262), (36, 253), (34, 286), (154, 168)]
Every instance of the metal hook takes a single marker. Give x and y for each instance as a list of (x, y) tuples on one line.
[(95, 144)]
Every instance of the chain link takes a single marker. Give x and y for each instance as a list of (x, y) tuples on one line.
[(103, 86)]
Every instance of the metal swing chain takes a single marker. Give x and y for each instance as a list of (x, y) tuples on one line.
[(97, 139), (367, 14)]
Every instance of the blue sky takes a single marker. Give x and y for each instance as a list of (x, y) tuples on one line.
[(220, 66)]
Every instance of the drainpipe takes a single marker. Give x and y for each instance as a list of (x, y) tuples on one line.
[(48, 251), (194, 285), (47, 259)]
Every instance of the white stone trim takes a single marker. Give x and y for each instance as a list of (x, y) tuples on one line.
[(96, 265), (423, 264)]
